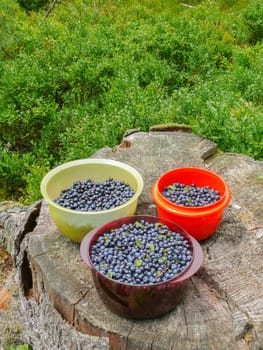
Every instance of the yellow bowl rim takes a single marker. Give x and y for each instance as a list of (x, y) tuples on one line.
[(102, 161)]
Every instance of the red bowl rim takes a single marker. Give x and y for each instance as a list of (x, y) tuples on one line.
[(160, 200)]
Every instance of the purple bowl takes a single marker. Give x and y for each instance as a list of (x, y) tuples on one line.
[(140, 301)]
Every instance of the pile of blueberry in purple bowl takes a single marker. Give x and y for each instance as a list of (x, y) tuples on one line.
[(141, 264)]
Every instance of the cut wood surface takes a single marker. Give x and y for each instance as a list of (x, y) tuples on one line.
[(223, 304)]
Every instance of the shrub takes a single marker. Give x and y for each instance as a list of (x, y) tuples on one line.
[(33, 5), (74, 82), (253, 19)]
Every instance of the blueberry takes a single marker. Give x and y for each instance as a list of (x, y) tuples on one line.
[(130, 254), (94, 196), (190, 195)]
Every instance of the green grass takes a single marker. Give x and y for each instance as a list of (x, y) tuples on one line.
[(73, 82)]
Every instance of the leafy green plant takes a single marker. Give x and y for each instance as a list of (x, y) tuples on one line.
[(253, 18), (76, 81), (19, 347), (32, 5)]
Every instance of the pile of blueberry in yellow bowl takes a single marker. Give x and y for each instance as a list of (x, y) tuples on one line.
[(87, 193)]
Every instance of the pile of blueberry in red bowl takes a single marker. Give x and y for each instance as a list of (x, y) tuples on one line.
[(194, 198), (141, 264)]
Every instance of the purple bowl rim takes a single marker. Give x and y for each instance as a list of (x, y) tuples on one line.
[(178, 278)]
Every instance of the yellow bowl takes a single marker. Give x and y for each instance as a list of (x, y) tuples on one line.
[(76, 224)]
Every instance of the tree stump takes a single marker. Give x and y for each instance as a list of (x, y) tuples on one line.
[(223, 304)]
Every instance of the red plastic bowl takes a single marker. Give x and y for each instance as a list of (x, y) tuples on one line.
[(140, 301), (200, 222)]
